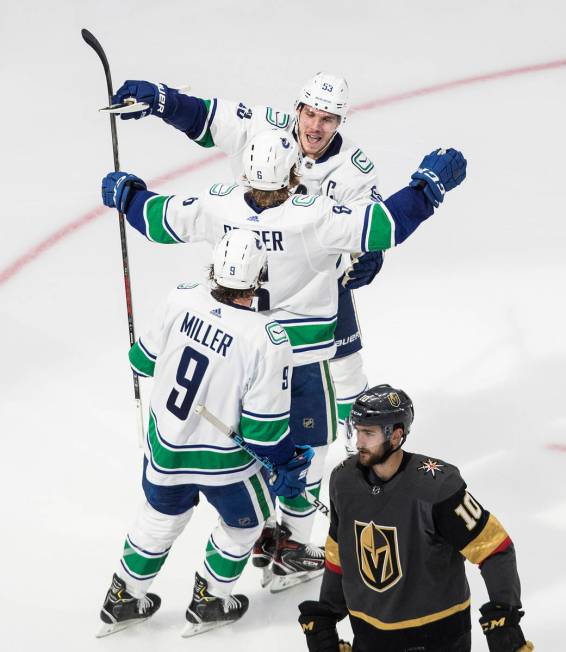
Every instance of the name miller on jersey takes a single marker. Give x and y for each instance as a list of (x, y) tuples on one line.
[(219, 342), (272, 240)]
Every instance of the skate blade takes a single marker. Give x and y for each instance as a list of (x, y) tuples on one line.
[(114, 628), (266, 576), (194, 629), (283, 582)]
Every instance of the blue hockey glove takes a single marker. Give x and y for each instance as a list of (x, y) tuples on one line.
[(291, 478), (363, 270), (158, 97), (440, 171), (118, 189)]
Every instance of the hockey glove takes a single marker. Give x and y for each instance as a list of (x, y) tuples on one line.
[(500, 624), (158, 96), (439, 171), (118, 189), (319, 626), (363, 270), (291, 478)]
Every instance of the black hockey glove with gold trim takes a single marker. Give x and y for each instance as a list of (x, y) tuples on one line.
[(319, 626), (500, 624)]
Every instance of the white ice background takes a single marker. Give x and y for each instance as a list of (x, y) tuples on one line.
[(468, 316)]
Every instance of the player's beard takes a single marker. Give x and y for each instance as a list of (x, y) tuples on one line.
[(378, 457)]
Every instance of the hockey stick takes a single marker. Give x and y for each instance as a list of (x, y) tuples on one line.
[(91, 40), (219, 425)]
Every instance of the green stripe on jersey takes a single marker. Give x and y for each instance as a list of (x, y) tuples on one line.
[(306, 334), (139, 564), (265, 432), (380, 230), (193, 461), (140, 361), (154, 210), (206, 139)]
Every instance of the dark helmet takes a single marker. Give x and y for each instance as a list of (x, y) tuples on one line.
[(383, 406)]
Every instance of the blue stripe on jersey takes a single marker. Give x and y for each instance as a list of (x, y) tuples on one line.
[(306, 320), (365, 229), (146, 350), (201, 471), (301, 349), (281, 415)]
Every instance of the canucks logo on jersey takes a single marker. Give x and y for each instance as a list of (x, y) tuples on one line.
[(377, 549)]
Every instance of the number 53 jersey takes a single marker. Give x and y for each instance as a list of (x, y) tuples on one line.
[(229, 358)]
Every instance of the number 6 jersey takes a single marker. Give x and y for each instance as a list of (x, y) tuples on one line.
[(229, 358), (304, 237)]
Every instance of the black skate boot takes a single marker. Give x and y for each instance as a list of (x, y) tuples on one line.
[(208, 611), (264, 551), (121, 610), (294, 562)]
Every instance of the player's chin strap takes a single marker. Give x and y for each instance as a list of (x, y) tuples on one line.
[(389, 450)]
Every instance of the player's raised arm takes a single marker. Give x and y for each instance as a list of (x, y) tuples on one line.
[(382, 225), (166, 219), (214, 122)]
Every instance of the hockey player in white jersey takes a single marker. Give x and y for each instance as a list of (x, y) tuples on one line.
[(304, 237), (198, 340), (330, 165)]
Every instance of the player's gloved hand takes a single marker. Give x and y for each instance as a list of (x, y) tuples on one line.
[(363, 270), (319, 626), (500, 624), (118, 189), (291, 478), (158, 98), (440, 171)]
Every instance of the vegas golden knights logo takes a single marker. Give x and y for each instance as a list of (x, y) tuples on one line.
[(394, 399), (378, 555)]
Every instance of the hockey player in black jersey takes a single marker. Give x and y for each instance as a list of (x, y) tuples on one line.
[(402, 526)]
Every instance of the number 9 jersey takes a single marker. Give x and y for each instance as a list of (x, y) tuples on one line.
[(229, 358)]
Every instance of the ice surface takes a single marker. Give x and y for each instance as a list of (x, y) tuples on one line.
[(468, 316)]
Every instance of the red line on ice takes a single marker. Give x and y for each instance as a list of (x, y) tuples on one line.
[(557, 447), (29, 256)]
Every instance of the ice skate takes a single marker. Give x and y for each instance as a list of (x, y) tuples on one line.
[(122, 610), (294, 562), (208, 611), (264, 551)]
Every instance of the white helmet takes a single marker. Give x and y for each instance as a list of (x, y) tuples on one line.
[(269, 158), (325, 92), (239, 260)]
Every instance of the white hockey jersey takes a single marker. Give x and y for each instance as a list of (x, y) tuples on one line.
[(236, 362), (304, 238)]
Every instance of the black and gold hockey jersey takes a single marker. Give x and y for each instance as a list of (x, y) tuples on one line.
[(395, 553)]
